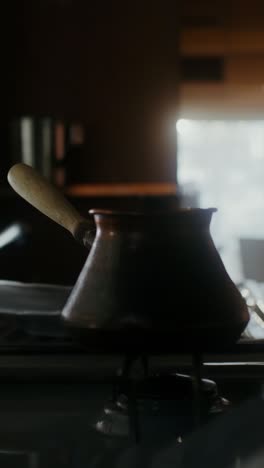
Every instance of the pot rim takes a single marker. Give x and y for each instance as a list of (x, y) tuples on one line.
[(108, 212)]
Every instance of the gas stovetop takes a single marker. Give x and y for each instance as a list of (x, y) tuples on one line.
[(65, 406), (30, 319), (79, 410), (32, 334)]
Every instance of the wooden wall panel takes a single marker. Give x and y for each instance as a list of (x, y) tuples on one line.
[(245, 70), (238, 39), (221, 41), (203, 41), (221, 100)]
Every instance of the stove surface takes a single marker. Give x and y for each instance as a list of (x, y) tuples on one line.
[(65, 406)]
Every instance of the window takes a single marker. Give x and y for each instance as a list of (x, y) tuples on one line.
[(222, 164)]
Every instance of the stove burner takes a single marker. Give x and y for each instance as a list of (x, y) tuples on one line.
[(150, 405)]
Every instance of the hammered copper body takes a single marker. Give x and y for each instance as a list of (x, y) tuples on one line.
[(156, 273)]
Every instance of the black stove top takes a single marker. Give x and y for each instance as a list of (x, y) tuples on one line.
[(63, 405), (30, 321)]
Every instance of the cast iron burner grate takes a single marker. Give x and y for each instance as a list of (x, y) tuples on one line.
[(140, 397)]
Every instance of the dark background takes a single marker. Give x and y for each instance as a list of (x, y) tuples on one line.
[(126, 72), (113, 67)]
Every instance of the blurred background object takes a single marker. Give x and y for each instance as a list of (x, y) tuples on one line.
[(221, 161), (220, 125), (48, 145)]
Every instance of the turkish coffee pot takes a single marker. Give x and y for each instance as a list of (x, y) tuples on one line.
[(151, 280)]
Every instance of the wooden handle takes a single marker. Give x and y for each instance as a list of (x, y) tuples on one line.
[(36, 190)]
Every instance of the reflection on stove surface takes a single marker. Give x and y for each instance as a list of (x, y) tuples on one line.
[(94, 425), (63, 407), (154, 420), (55, 426)]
